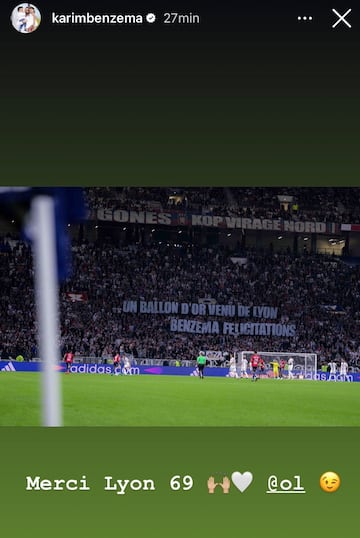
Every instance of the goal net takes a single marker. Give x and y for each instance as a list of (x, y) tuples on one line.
[(305, 364)]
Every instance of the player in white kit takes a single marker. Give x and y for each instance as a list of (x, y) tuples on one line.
[(243, 367), (127, 366), (344, 368), (333, 371), (233, 368), (290, 368)]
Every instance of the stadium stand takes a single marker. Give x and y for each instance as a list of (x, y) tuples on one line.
[(328, 205), (305, 288)]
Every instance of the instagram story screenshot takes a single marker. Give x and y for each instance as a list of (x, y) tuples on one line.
[(179, 268)]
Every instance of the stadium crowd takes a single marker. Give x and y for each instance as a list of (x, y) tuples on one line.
[(305, 289), (313, 204)]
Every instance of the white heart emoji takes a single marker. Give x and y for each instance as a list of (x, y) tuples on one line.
[(242, 480)]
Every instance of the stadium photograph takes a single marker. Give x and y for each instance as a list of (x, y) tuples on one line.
[(180, 306)]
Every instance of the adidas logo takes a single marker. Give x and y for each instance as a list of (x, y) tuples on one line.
[(8, 368)]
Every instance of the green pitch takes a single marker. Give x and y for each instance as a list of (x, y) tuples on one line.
[(104, 400)]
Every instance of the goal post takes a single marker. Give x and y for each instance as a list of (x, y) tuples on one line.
[(305, 364)]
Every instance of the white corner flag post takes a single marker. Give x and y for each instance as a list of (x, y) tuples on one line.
[(46, 289)]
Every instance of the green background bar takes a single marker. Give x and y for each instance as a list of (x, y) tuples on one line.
[(183, 141), (161, 453)]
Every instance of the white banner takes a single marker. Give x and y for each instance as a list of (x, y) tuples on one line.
[(231, 329), (200, 309)]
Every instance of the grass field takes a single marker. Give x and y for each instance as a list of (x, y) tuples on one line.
[(104, 400)]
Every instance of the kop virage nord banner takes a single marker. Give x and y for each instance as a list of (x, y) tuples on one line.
[(187, 218)]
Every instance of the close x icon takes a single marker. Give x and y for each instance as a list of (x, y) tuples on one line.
[(342, 19)]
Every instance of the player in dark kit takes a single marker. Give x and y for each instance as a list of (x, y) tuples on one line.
[(262, 365), (282, 365), (255, 362), (116, 363), (68, 358)]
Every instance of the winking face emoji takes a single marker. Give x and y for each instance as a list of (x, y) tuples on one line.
[(330, 482)]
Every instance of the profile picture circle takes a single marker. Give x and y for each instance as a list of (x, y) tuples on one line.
[(25, 18)]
